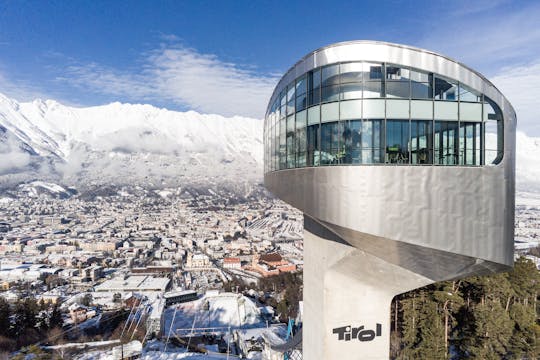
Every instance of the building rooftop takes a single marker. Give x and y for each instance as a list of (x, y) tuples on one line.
[(134, 283)]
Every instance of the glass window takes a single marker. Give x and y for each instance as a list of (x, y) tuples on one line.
[(398, 89), (301, 122), (467, 94), (420, 76), (351, 73), (276, 146), (446, 142), (445, 89), (371, 140), (421, 85), (283, 103), (397, 109), (373, 80), (314, 87), (490, 141), (373, 89), (330, 93), (290, 99), (421, 142), (372, 71), (330, 75), (469, 143), (352, 131), (397, 73), (494, 135), (330, 153), (397, 142), (283, 98), (301, 85), (301, 101), (290, 143), (397, 82), (283, 143), (351, 91), (301, 96), (313, 145)]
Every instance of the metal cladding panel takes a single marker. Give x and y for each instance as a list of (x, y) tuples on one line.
[(459, 210)]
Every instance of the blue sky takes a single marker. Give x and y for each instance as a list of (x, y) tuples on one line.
[(226, 56)]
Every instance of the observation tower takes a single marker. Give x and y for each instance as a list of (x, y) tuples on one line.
[(403, 163)]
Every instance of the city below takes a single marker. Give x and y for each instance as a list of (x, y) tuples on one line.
[(170, 262)]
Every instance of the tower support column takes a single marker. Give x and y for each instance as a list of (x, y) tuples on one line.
[(347, 297)]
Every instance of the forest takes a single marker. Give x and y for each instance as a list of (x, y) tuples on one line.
[(481, 317)]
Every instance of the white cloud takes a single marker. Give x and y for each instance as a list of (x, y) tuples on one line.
[(182, 76), (21, 91), (488, 39), (12, 158), (521, 85)]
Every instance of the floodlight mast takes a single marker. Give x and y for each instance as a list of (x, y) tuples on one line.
[(403, 162)]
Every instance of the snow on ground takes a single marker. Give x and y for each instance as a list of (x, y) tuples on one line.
[(528, 199), (275, 334), (5, 200), (221, 310), (156, 355)]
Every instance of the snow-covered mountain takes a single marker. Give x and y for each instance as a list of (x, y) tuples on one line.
[(141, 144), (124, 143)]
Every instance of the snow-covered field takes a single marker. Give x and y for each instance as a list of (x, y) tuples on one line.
[(214, 311)]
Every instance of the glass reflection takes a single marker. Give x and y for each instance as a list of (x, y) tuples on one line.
[(397, 138), (331, 154), (421, 142), (397, 82), (283, 143), (314, 87), (352, 142), (446, 142), (343, 138), (290, 143), (351, 73), (445, 89), (469, 143), (371, 135), (313, 145)]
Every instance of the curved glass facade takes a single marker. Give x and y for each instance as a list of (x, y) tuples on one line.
[(364, 113)]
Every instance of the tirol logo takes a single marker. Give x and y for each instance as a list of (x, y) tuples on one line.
[(348, 333)]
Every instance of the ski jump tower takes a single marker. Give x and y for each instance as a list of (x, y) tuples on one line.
[(403, 163)]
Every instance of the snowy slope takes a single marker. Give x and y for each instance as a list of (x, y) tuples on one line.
[(125, 142)]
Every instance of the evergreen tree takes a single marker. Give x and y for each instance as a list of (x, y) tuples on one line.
[(409, 325), (493, 329), (431, 343), (25, 315), (55, 318), (5, 314), (525, 281), (524, 343)]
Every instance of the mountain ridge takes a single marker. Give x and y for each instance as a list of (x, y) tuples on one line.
[(139, 143)]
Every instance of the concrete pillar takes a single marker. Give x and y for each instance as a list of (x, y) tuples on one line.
[(347, 298)]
